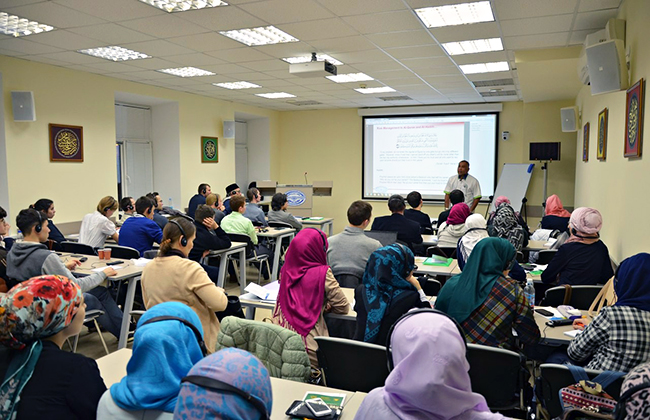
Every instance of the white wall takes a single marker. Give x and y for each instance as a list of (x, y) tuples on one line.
[(165, 134)]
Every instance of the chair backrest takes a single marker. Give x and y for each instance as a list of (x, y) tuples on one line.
[(256, 223), (77, 248), (280, 225), (383, 236), (151, 254), (348, 280), (426, 230), (431, 287), (555, 377), (545, 256), (352, 365), (282, 351), (447, 252), (125, 252), (581, 296), (238, 237), (497, 374)]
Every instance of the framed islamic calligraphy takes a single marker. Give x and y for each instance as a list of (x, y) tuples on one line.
[(601, 147), (66, 143), (585, 143), (634, 120), (209, 150)]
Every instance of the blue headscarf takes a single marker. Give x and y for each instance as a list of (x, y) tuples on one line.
[(384, 280), (234, 367), (632, 284), (163, 353)]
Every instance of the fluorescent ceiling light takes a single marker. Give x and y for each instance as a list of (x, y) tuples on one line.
[(473, 47), (17, 26), (456, 14), (485, 67), (114, 53), (350, 77), (187, 72), (237, 85), (276, 95), (183, 5), (264, 35), (384, 89), (307, 58)]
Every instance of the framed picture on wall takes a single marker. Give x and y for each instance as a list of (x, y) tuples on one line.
[(585, 143), (601, 151), (66, 143), (209, 150), (634, 119)]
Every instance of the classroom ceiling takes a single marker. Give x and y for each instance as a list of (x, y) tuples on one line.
[(381, 38)]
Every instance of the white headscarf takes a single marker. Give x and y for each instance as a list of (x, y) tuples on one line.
[(476, 230)]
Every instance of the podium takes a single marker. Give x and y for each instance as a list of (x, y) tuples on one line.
[(299, 196)]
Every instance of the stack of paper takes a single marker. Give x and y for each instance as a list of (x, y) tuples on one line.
[(268, 292)]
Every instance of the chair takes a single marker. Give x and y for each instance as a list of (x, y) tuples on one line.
[(520, 257), (251, 254), (447, 252), (498, 375), (151, 254), (352, 365), (280, 225), (125, 252), (383, 236), (555, 377), (545, 256), (257, 223), (91, 316), (348, 280), (426, 231), (581, 296), (77, 248), (431, 287)]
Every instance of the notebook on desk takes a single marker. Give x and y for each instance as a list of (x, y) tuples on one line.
[(439, 261)]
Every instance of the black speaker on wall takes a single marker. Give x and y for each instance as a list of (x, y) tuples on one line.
[(545, 151)]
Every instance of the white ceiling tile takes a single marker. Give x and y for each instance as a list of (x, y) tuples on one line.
[(158, 48), (267, 65), (255, 77), (393, 74), (65, 40), (152, 64), (540, 25), (113, 10), (430, 62), (80, 67), (55, 15), (43, 59), (11, 53), (134, 77), (206, 42), (405, 81), (165, 26), (26, 46), (535, 41), (112, 67), (348, 8), (286, 11), (73, 57), (194, 60), (276, 83), (362, 56), (402, 39), (288, 49), (447, 79), (241, 55), (371, 68), (591, 5), (487, 57), (516, 9), (467, 32), (416, 52), (578, 37), (222, 18), (384, 22), (111, 34), (226, 68), (490, 76), (13, 3), (332, 46), (318, 29), (594, 20)]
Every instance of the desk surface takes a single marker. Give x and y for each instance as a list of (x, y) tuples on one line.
[(451, 270), (536, 246), (233, 246), (310, 221), (272, 232), (554, 335), (429, 240), (128, 270)]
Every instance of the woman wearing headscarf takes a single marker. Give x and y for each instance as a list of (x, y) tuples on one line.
[(505, 224), (501, 200), (454, 227), (430, 379), (583, 258), (555, 217), (487, 303), (637, 405), (387, 291), (163, 352), (619, 337), (233, 367), (308, 289), (41, 381)]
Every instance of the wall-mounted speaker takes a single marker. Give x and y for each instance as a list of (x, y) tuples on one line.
[(23, 105), (229, 129), (607, 67), (570, 119)]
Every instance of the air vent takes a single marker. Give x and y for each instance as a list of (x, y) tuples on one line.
[(304, 103), (499, 93), (395, 98), (497, 82)]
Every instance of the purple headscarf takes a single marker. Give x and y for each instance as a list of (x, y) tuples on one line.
[(458, 214)]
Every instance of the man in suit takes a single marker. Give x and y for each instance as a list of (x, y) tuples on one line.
[(407, 230)]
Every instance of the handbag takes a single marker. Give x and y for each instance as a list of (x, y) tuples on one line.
[(587, 397), (606, 297), (232, 309)]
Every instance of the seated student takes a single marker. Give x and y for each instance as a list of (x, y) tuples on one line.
[(506, 223), (198, 199), (46, 207), (429, 376), (253, 210), (209, 236), (46, 382), (157, 217), (4, 230), (231, 191), (486, 303), (164, 351), (234, 367), (215, 203), (555, 217), (349, 251), (140, 231), (584, 258), (30, 258), (636, 384), (407, 230), (308, 289), (172, 277), (455, 197), (388, 291), (127, 209), (416, 214), (279, 213), (97, 226), (453, 228), (619, 337)]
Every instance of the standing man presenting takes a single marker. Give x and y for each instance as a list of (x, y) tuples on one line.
[(466, 183)]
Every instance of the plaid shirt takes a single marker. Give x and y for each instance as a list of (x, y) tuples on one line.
[(617, 339), (505, 308)]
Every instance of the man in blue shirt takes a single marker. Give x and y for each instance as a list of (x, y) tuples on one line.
[(198, 199), (140, 231), (253, 210)]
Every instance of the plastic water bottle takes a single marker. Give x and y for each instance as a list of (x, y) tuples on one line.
[(529, 292), (171, 203)]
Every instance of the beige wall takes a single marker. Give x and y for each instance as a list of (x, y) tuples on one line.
[(617, 187)]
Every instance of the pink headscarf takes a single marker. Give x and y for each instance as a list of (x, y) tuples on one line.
[(302, 281), (500, 200), (587, 222), (554, 207), (458, 214)]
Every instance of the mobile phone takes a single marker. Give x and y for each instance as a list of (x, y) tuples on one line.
[(83, 259), (543, 312), (318, 407), (559, 322), (114, 262)]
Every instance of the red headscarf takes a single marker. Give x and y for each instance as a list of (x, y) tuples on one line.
[(554, 207), (458, 214)]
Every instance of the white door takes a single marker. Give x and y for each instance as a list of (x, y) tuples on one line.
[(241, 167), (138, 168)]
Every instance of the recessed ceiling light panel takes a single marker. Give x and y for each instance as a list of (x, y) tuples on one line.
[(474, 46), (237, 85), (16, 26), (456, 14), (384, 89), (485, 67), (187, 72), (275, 95), (350, 77), (306, 59), (264, 35), (114, 53), (183, 5)]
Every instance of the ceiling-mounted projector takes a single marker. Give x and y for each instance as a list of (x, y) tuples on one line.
[(313, 68)]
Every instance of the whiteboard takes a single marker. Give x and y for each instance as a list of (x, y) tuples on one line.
[(513, 183)]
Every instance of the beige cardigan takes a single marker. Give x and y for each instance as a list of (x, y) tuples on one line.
[(178, 279)]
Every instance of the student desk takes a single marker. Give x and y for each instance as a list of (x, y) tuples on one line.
[(536, 246), (277, 235), (554, 335), (429, 240), (74, 237), (321, 224), (112, 367), (433, 270), (235, 248)]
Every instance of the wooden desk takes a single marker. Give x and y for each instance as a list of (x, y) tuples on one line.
[(235, 248), (321, 224), (554, 335), (277, 235)]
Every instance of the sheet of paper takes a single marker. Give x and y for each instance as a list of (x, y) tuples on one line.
[(115, 267), (141, 262), (268, 292), (573, 333)]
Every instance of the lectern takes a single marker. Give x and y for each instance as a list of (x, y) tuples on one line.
[(299, 197)]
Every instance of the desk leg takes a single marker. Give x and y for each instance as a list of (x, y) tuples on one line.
[(276, 258), (128, 307), (242, 270), (250, 312), (223, 265), (330, 229)]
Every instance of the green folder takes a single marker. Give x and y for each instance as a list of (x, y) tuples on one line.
[(438, 261)]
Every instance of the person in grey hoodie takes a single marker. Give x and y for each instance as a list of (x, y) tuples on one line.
[(31, 258)]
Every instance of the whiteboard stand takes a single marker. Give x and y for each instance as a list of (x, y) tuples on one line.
[(523, 209), (487, 209), (545, 169)]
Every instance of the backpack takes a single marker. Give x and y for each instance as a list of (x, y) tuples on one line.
[(587, 399)]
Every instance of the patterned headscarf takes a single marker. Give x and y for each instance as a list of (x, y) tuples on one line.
[(506, 226), (587, 222), (34, 309), (638, 405), (234, 367), (384, 280)]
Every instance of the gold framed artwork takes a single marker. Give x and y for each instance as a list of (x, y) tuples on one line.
[(209, 149), (601, 147), (66, 143), (585, 143), (634, 120)]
